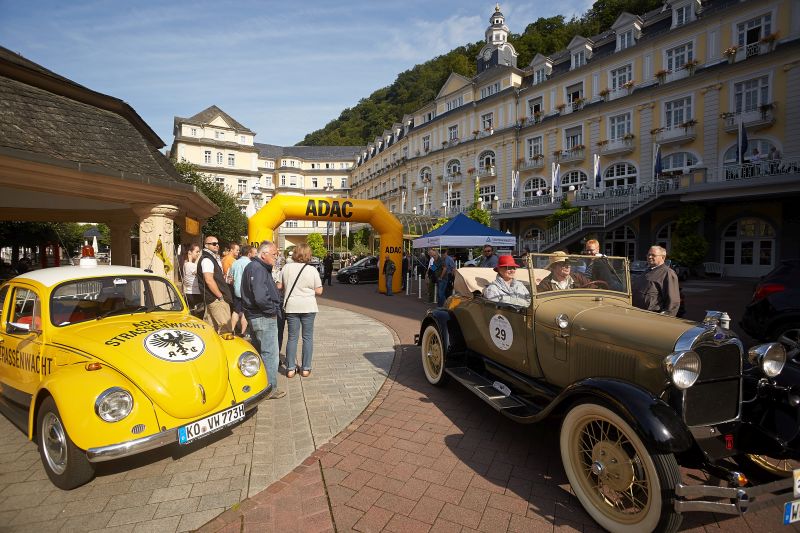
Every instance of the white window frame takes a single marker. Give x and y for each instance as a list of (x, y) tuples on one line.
[(573, 136), (207, 157), (487, 121), (534, 146), (675, 57), (763, 93), (231, 160), (578, 59), (677, 111), (620, 76), (452, 133)]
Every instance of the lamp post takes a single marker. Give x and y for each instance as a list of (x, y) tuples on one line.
[(496, 202), (444, 208)]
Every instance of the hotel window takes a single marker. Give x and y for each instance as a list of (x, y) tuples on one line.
[(620, 175), (683, 15), (241, 186), (753, 30), (535, 105), (680, 55), (486, 160), (220, 181), (749, 95), (291, 223), (490, 89), (455, 200), (268, 181), (219, 158), (578, 59), (452, 133), (241, 139), (533, 187), (676, 112), (193, 132), (486, 194), (678, 161), (487, 121), (453, 167), (329, 183), (625, 40), (425, 175), (426, 143), (454, 103), (231, 160), (314, 183), (344, 183), (534, 147), (573, 137), (620, 76), (576, 178), (292, 181), (207, 157), (539, 76), (619, 126), (327, 165), (218, 135), (574, 92)]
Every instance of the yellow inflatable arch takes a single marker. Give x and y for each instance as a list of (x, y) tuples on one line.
[(261, 226)]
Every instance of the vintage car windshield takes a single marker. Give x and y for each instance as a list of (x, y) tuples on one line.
[(568, 272), (97, 298)]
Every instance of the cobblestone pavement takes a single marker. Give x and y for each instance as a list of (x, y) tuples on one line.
[(181, 488), (422, 458)]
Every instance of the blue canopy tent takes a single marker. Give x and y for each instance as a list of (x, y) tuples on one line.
[(463, 231)]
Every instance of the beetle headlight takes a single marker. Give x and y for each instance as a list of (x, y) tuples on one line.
[(249, 363), (770, 357), (113, 404), (683, 368)]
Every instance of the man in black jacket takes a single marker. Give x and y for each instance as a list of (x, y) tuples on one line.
[(261, 303), (216, 292)]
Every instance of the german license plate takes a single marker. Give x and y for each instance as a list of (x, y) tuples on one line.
[(796, 477), (210, 424)]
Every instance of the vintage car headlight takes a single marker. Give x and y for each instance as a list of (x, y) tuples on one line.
[(683, 368), (562, 321), (249, 363), (113, 404), (770, 357)]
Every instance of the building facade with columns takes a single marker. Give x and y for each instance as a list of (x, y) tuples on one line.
[(220, 147), (58, 163), (629, 125)]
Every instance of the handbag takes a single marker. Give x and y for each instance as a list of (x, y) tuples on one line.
[(283, 306)]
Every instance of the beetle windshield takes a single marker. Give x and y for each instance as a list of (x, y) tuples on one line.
[(566, 272), (97, 298)]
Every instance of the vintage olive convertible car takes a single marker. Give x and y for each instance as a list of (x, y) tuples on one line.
[(102, 362), (640, 393)]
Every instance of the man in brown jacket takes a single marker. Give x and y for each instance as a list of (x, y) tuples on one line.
[(657, 289)]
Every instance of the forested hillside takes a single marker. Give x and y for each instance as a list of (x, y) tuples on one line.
[(416, 87)]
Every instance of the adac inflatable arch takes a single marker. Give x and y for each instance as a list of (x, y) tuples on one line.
[(284, 207)]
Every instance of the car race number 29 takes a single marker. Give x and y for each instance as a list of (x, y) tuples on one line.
[(501, 332)]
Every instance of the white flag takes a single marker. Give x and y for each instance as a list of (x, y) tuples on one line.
[(347, 229)]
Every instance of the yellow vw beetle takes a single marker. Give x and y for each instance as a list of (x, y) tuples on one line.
[(102, 362)]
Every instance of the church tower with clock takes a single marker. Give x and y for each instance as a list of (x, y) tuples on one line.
[(497, 50)]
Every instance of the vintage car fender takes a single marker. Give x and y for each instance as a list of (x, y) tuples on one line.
[(75, 390), (448, 327), (656, 422)]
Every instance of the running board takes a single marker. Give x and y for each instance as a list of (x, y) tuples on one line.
[(485, 389)]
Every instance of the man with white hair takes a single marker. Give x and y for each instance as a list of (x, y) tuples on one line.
[(657, 289)]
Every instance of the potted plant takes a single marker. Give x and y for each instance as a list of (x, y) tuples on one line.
[(730, 53), (628, 137), (578, 147), (578, 103), (604, 93), (769, 41), (661, 75), (602, 143), (656, 131), (537, 116), (628, 85), (691, 65), (765, 108), (444, 144), (561, 107), (471, 170), (689, 123), (427, 149), (557, 154), (726, 115), (475, 132), (537, 157)]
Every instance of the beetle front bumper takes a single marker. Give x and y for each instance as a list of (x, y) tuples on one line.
[(164, 438), (739, 499)]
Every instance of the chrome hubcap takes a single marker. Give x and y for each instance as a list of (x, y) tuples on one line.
[(54, 443)]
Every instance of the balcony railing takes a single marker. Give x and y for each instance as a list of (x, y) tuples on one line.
[(676, 134), (533, 164), (760, 118), (486, 172), (617, 146), (453, 178), (761, 169), (676, 75), (571, 155), (753, 49)]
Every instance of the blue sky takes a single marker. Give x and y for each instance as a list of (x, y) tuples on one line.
[(283, 69)]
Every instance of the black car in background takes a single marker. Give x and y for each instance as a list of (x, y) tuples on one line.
[(364, 270), (774, 312)]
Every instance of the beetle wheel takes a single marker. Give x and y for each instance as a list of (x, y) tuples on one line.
[(433, 355), (66, 465), (352, 279), (619, 483)]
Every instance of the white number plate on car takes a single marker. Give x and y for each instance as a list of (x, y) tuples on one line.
[(210, 424)]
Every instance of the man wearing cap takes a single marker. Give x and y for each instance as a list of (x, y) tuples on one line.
[(561, 277), (505, 288)]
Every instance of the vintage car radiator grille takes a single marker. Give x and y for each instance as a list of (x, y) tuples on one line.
[(716, 395)]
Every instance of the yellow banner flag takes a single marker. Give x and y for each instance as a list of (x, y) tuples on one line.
[(161, 255)]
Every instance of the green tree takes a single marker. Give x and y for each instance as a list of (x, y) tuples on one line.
[(565, 211), (689, 246), (476, 212), (229, 224), (317, 244), (441, 221)]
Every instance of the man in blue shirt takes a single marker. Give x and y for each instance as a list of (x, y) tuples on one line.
[(445, 277), (236, 272)]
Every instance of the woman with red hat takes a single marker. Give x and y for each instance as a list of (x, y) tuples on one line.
[(505, 288)]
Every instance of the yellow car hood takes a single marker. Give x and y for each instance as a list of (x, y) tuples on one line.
[(178, 361)]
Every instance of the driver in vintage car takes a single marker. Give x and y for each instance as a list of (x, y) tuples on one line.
[(505, 288), (561, 277)]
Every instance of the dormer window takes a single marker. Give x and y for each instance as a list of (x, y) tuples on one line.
[(578, 59), (454, 103), (539, 76), (684, 11), (625, 40)]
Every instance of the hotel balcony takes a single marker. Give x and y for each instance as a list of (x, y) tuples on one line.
[(753, 49), (755, 119), (486, 172), (453, 178), (617, 146), (676, 75), (572, 155), (533, 164), (677, 134)]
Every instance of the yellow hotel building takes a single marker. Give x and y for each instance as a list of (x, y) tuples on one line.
[(681, 80)]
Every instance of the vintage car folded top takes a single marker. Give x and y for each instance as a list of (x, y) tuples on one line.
[(101, 362), (639, 393)]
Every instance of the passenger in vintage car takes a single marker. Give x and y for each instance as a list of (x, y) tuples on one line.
[(561, 277), (505, 288)]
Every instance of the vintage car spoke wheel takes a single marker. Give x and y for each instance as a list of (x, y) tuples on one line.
[(66, 465), (433, 355), (352, 279), (790, 338), (617, 481), (775, 467)]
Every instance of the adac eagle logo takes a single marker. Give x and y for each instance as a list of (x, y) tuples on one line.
[(174, 345)]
